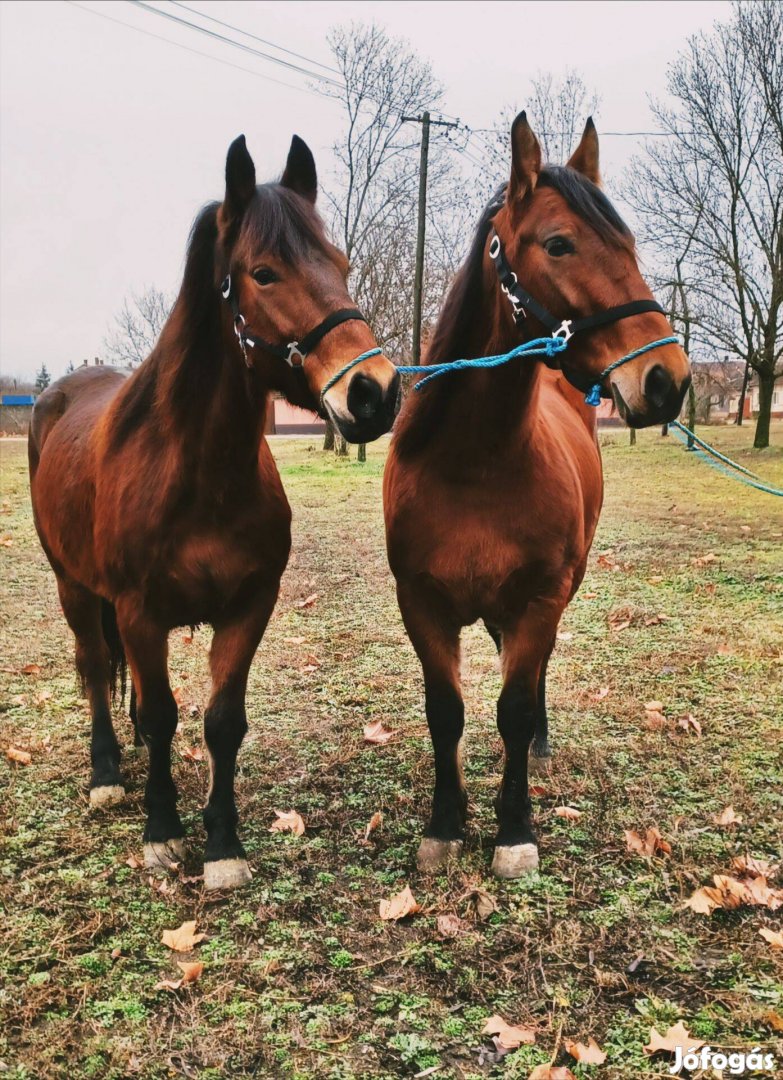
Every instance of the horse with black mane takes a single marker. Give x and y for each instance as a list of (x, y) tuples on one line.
[(493, 485), (156, 497)]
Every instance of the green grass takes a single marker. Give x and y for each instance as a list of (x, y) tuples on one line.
[(301, 977)]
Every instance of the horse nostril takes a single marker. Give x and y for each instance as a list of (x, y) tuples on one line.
[(658, 386), (364, 397)]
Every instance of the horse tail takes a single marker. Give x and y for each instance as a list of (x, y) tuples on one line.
[(119, 665)]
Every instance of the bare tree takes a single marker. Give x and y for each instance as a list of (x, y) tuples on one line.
[(714, 188), (374, 199), (136, 326), (558, 109)]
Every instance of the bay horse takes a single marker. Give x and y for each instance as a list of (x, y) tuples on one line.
[(156, 497), (493, 485)]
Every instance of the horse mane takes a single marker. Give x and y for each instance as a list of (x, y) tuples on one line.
[(184, 367), (461, 307)]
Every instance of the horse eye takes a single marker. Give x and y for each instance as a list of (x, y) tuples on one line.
[(557, 246), (264, 276)]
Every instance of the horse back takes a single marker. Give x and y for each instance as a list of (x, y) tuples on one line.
[(62, 462)]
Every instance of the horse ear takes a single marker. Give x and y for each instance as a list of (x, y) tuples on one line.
[(525, 159), (240, 178), (299, 174), (585, 158)]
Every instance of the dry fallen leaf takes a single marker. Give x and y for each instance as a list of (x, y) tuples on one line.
[(774, 937), (376, 733), (729, 893), (652, 843), (373, 824), (133, 862), (677, 1037), (451, 925), (31, 669), (294, 640), (565, 635), (551, 1072), (509, 1036), (192, 753), (774, 1020), (288, 821), (483, 903), (653, 720), (747, 864), (689, 723), (568, 813), (399, 906), (705, 560), (183, 939), (592, 1054), (600, 694), (307, 602), (727, 817), (21, 757), (537, 791), (654, 706), (179, 695), (190, 973)]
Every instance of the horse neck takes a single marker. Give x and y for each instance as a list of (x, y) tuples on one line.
[(210, 405), (496, 405)]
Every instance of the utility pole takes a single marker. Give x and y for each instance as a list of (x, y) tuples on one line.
[(418, 280)]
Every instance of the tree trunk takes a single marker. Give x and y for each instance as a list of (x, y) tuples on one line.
[(691, 413), (329, 436), (766, 388), (361, 454)]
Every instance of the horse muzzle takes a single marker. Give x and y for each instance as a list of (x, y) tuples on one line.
[(370, 408)]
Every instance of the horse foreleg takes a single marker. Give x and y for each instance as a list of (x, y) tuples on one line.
[(436, 641), (82, 609), (146, 647), (525, 649), (225, 724)]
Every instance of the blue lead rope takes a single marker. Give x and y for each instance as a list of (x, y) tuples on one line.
[(549, 346)]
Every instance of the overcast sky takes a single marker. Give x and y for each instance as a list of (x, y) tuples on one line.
[(110, 139)]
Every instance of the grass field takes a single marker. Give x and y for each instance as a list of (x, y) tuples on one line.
[(301, 976)]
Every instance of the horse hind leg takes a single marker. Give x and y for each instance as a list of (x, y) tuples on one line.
[(540, 750), (82, 610)]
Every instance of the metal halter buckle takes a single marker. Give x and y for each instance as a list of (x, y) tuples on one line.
[(494, 247), (294, 351), (564, 330), (225, 288)]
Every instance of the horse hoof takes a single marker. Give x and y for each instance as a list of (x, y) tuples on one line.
[(434, 854), (164, 855), (226, 874), (515, 861), (539, 760), (106, 795)]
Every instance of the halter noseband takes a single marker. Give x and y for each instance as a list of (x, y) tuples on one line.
[(295, 352), (522, 302)]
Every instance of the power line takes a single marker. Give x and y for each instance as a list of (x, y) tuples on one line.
[(236, 44), (254, 37), (196, 52)]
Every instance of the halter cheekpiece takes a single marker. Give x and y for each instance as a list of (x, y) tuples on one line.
[(523, 303), (293, 353)]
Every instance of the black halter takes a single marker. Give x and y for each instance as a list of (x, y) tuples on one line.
[(522, 302), (294, 352)]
